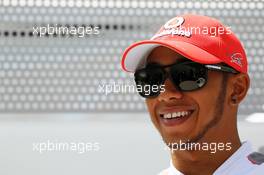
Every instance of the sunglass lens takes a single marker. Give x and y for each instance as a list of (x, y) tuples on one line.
[(149, 80), (188, 77)]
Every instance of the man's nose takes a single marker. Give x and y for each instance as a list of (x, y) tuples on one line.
[(170, 93)]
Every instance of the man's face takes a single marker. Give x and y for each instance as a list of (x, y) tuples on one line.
[(205, 105)]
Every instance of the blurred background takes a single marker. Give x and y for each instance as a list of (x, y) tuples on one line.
[(50, 84)]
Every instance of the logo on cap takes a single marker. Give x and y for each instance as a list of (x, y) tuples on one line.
[(236, 58), (173, 27), (174, 22)]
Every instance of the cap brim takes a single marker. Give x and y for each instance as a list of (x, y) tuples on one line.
[(135, 55)]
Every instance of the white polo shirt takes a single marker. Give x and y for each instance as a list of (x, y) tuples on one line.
[(243, 162)]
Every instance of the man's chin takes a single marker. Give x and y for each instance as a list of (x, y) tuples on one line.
[(175, 137)]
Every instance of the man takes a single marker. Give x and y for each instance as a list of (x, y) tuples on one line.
[(193, 74)]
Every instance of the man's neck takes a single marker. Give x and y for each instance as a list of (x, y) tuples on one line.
[(204, 162)]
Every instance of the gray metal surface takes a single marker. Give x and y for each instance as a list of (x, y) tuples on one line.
[(63, 73)]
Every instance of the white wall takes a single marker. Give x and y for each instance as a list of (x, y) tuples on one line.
[(128, 144)]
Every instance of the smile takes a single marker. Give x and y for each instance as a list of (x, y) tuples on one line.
[(176, 114)]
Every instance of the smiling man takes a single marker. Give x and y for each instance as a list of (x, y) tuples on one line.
[(195, 69)]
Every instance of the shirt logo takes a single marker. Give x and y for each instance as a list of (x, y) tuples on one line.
[(237, 59), (256, 158)]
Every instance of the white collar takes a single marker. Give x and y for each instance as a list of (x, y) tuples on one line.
[(173, 170), (238, 158)]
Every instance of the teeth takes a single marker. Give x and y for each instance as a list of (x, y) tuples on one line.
[(167, 115), (176, 114)]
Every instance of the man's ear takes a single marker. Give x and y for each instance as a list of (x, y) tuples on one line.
[(239, 85)]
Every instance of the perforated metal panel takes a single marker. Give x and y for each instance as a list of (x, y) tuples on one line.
[(61, 73)]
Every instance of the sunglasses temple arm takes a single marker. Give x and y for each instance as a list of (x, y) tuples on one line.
[(221, 68)]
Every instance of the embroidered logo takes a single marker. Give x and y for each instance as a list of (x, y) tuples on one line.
[(237, 58), (174, 22), (173, 27)]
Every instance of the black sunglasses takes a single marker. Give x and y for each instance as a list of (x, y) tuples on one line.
[(186, 76)]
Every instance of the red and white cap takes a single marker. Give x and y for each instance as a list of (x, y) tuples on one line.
[(199, 38)]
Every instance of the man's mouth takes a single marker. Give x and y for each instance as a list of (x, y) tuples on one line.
[(175, 114), (175, 117)]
